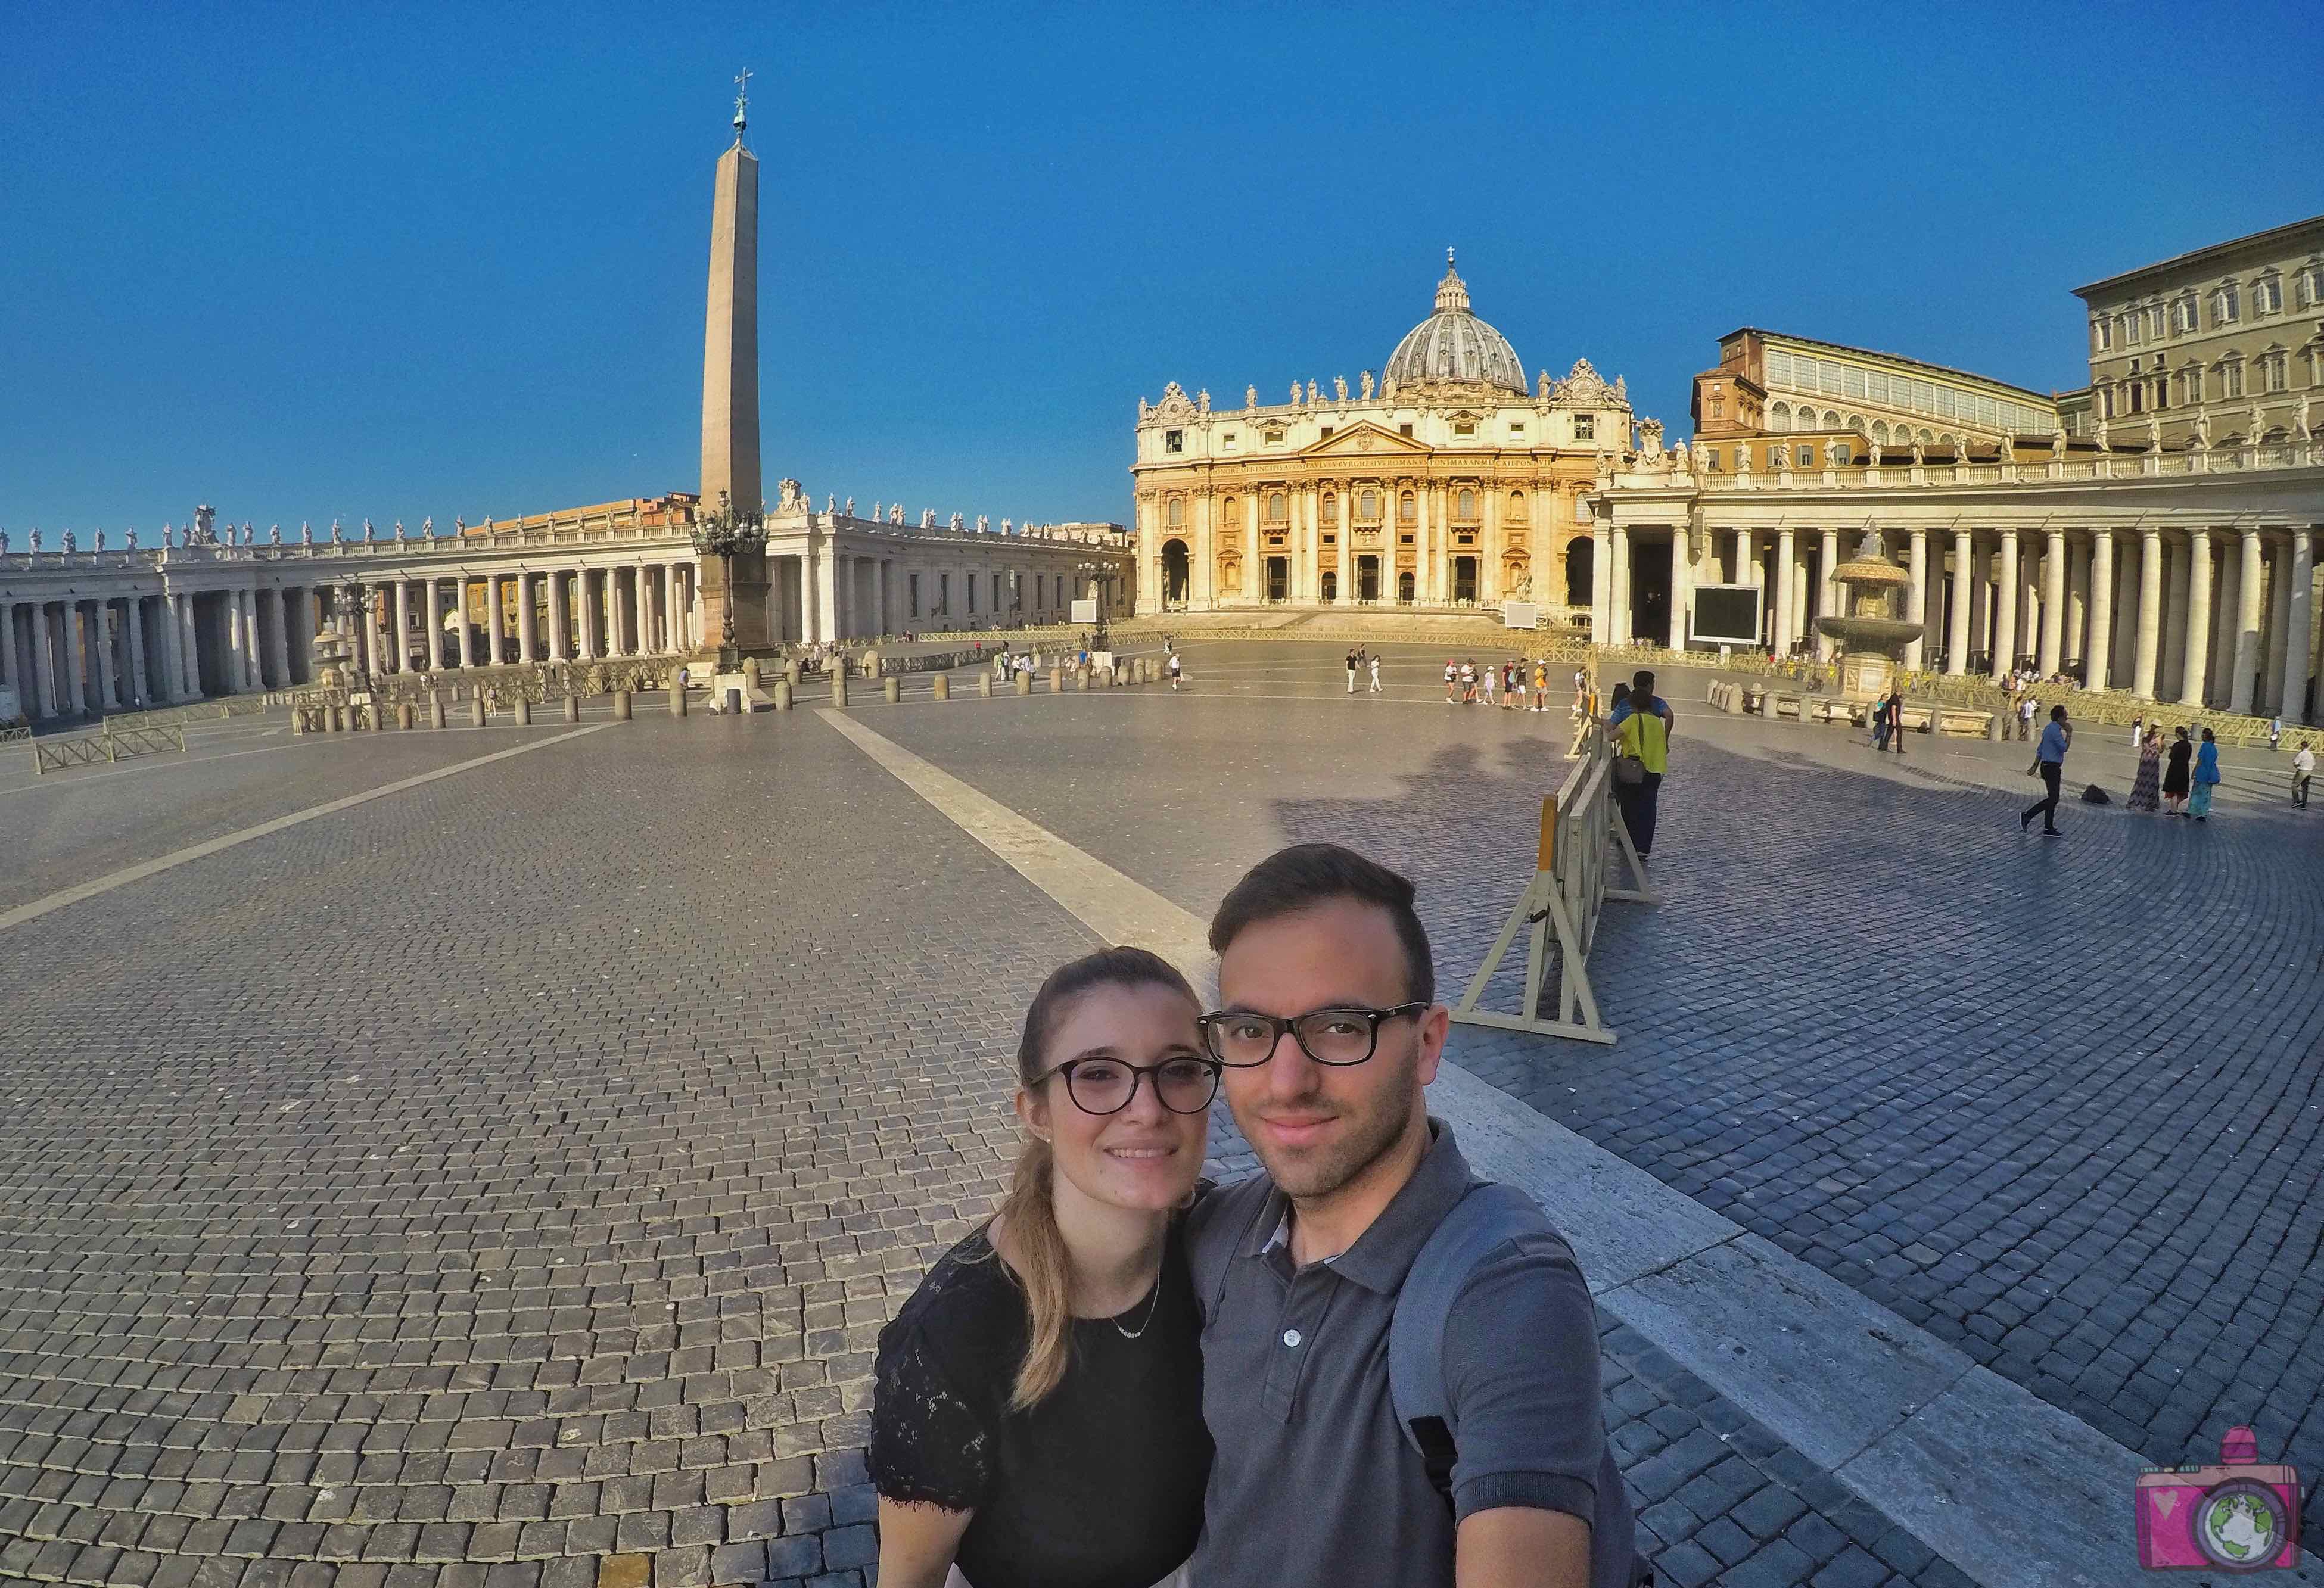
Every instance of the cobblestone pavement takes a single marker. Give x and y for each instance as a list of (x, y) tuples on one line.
[(508, 1177)]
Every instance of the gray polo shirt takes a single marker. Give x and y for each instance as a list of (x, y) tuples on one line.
[(1312, 1482)]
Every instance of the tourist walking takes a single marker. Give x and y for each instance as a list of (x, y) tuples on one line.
[(2049, 765), (2175, 769), (1351, 673), (1513, 697), (1541, 685), (1037, 1405), (1367, 1428), (2026, 718), (1468, 682), (1375, 683), (2146, 789), (2303, 771), (1451, 682), (1485, 680), (2137, 731), (1878, 716), (1174, 672), (2274, 734), (2207, 778), (1896, 719), (1642, 721)]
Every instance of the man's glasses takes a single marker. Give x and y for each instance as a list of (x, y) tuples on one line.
[(1243, 1038), (1106, 1085)]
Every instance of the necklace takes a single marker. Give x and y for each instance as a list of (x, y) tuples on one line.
[(1152, 1307)]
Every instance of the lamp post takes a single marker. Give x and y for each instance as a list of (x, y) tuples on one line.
[(725, 533), (1095, 572)]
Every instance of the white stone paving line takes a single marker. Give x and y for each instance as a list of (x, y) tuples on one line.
[(2010, 1490), (193, 852)]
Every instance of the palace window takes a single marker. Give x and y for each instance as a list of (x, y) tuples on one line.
[(1368, 505), (2138, 396), (1465, 428), (2312, 285), (1405, 429), (1227, 442), (1174, 440), (2184, 317), (2155, 322), (1272, 438), (1406, 508), (2267, 296), (2226, 306), (1804, 455), (1275, 506), (1710, 458), (2134, 324), (1585, 427), (2274, 371), (1331, 507), (2102, 333), (1517, 507), (2316, 366), (2231, 377), (1779, 417), (1517, 432), (1467, 505), (1328, 430), (1175, 514), (2103, 397)]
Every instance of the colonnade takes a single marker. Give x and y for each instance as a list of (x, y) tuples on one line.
[(2202, 616), (83, 656), (442, 621)]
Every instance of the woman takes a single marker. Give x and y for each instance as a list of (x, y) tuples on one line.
[(1641, 732), (2145, 789), (2207, 777), (2174, 774), (1614, 705), (1037, 1405)]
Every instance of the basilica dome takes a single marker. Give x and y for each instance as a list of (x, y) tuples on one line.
[(1454, 344)]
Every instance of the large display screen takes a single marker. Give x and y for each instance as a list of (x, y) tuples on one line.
[(1726, 614)]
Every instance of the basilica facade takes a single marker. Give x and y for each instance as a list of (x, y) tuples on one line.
[(1451, 483)]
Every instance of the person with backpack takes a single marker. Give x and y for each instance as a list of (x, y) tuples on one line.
[(1359, 1298)]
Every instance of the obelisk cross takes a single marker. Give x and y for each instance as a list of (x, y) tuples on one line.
[(741, 103)]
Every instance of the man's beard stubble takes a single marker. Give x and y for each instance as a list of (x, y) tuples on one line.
[(1328, 1169)]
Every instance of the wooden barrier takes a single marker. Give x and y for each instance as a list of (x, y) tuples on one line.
[(1582, 840)]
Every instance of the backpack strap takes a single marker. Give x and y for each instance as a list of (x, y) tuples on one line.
[(1209, 1261), (1485, 1216)]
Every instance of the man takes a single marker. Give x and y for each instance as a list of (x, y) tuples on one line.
[(1896, 719), (1330, 1031), (2049, 762), (2274, 734), (2303, 768), (2025, 708), (1174, 672), (1352, 671)]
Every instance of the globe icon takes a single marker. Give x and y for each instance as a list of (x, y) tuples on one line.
[(2241, 1524)]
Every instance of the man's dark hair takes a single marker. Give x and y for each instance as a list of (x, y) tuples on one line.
[(1308, 874), (2057, 714), (1643, 682)]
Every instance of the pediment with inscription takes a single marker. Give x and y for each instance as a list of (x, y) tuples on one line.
[(1364, 438)]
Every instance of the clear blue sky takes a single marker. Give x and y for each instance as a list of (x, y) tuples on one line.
[(306, 261)]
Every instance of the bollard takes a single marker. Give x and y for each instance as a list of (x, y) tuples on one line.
[(523, 712), (944, 686), (676, 698), (1056, 680), (838, 685), (1024, 683), (573, 708), (984, 685), (750, 676), (795, 670), (895, 690), (1995, 729), (477, 710), (336, 719), (405, 716), (435, 710), (620, 706), (783, 691), (1081, 677)]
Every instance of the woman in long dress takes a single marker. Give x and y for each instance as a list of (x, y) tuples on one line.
[(2174, 774), (2145, 791), (2207, 778)]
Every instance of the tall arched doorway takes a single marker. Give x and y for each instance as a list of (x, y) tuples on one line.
[(1580, 571), (1174, 573)]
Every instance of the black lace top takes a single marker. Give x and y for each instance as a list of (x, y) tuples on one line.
[(1101, 1484)]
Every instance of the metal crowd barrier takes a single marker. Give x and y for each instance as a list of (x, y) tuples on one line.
[(110, 744)]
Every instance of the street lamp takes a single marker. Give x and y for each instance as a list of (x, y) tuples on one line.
[(1095, 572), (725, 533)]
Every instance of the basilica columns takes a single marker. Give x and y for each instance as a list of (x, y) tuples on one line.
[(2101, 605)]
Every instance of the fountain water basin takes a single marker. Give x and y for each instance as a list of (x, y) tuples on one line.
[(1872, 638)]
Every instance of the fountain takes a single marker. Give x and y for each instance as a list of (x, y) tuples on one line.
[(1872, 641)]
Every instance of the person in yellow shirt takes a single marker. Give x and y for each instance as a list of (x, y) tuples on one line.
[(1642, 725)]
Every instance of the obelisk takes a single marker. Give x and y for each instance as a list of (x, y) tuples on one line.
[(729, 387), (730, 340)]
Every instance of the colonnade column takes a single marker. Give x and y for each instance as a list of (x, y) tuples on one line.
[(2077, 606), (1957, 630), (432, 621), (1621, 574), (879, 598), (1827, 592), (2198, 619), (2099, 649), (1681, 583), (403, 588), (45, 666), (1601, 583), (2279, 626), (75, 660), (141, 690), (253, 670), (108, 690), (460, 608), (182, 649), (2005, 595), (1916, 598), (2150, 613), (2295, 650), (528, 630), (1786, 618), (2174, 619), (561, 607), (2226, 626), (643, 639), (279, 644), (2051, 657)]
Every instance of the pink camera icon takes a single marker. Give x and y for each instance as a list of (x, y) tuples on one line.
[(2242, 1515)]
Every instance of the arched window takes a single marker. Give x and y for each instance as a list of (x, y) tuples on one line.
[(1331, 507), (1779, 417), (1368, 505), (1924, 435), (1275, 506), (1227, 507), (1880, 429), (1830, 420), (1517, 507), (1406, 509), (1856, 425), (1467, 507), (1175, 515)]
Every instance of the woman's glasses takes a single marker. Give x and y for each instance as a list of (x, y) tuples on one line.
[(1106, 1085)]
